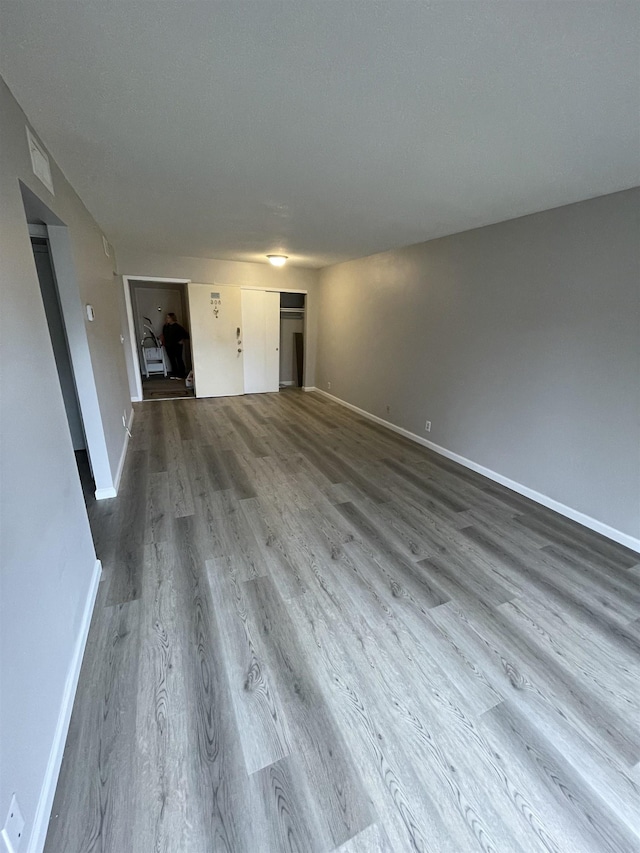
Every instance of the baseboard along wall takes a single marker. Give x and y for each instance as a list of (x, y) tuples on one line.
[(111, 492), (48, 789), (567, 511)]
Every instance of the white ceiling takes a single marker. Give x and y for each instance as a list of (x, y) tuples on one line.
[(322, 129)]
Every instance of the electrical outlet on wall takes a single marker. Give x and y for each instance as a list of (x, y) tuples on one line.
[(427, 426), (13, 827), (388, 408), (328, 386)]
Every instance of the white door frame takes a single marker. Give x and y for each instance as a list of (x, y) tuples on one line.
[(73, 313), (136, 388), (305, 321), (74, 320), (302, 290)]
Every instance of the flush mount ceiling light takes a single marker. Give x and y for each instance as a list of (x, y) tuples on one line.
[(277, 260)]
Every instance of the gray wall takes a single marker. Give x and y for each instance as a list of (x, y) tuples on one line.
[(240, 273), (519, 341), (47, 556)]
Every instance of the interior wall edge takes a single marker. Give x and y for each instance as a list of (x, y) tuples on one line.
[(123, 455), (544, 500), (517, 342), (48, 789), (46, 542), (112, 492)]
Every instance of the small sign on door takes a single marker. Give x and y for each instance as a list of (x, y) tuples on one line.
[(215, 304)]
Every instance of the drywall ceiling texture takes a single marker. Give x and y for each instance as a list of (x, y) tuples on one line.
[(326, 130), (519, 341), (47, 560)]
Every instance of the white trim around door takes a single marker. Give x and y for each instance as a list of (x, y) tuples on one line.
[(136, 388)]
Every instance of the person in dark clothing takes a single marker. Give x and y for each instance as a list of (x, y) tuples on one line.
[(173, 335)]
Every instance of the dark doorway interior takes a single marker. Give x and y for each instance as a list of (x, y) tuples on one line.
[(60, 345), (151, 301), (292, 308)]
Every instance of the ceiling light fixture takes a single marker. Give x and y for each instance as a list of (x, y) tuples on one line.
[(277, 260)]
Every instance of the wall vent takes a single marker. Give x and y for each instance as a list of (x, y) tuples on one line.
[(40, 161)]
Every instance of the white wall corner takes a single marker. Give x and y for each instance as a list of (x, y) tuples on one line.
[(123, 455), (104, 494), (592, 523), (48, 789)]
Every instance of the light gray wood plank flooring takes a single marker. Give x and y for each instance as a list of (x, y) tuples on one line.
[(314, 635)]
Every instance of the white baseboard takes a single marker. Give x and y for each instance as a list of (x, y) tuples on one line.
[(112, 491), (313, 388), (586, 520), (286, 383), (136, 399), (48, 789), (103, 494), (123, 455)]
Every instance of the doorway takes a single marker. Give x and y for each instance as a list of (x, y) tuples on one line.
[(292, 313), (57, 331), (246, 340), (243, 340), (151, 302), (66, 316)]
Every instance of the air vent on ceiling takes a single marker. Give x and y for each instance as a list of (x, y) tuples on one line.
[(40, 161)]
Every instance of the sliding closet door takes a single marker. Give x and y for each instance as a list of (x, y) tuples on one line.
[(272, 341), (261, 326)]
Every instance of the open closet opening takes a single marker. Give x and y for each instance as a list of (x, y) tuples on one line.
[(161, 323), (292, 308)]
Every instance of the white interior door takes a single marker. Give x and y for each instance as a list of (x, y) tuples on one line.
[(272, 341), (261, 325), (215, 312)]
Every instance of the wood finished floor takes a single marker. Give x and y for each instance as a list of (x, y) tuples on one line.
[(164, 388), (314, 635)]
